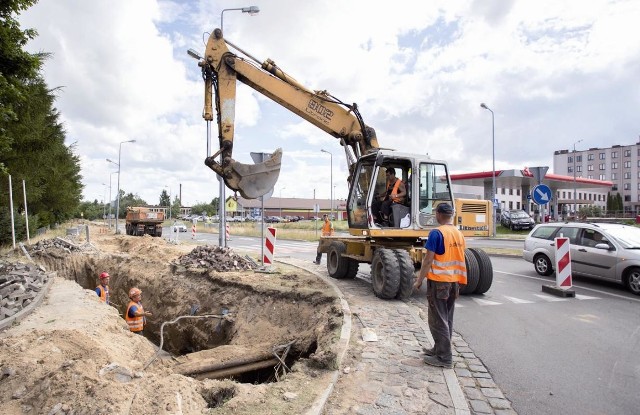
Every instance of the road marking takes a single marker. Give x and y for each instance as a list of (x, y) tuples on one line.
[(574, 286), (586, 297), (484, 302), (549, 298), (518, 300)]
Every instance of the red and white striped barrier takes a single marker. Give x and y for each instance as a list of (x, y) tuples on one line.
[(563, 263), (269, 246), (193, 232), (227, 232)]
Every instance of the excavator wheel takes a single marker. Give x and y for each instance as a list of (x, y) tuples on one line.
[(486, 270), (385, 273), (352, 269), (406, 274), (337, 265), (473, 273)]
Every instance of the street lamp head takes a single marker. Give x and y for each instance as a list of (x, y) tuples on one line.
[(252, 10), (129, 141), (325, 151), (195, 55), (111, 161), (483, 105)]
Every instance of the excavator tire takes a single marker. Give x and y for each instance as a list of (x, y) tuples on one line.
[(486, 270), (473, 273), (352, 270), (337, 265), (406, 274), (385, 273)]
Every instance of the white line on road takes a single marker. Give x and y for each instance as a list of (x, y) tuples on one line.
[(575, 286), (484, 302), (549, 298), (518, 300)]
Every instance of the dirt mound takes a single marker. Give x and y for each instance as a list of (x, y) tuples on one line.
[(216, 258), (75, 355)]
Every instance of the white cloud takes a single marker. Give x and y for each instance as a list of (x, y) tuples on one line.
[(551, 72)]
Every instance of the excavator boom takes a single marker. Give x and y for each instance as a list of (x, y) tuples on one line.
[(222, 69)]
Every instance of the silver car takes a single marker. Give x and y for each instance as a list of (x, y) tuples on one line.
[(600, 250)]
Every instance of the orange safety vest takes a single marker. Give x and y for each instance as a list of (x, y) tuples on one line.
[(396, 186), (450, 266), (135, 323), (104, 293), (327, 228)]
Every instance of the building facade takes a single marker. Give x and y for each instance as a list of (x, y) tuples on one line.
[(619, 164)]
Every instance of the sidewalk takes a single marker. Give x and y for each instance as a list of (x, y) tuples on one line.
[(389, 376)]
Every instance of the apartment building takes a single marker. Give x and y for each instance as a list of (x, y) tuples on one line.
[(618, 164)]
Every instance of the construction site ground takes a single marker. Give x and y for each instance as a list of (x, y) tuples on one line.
[(73, 354)]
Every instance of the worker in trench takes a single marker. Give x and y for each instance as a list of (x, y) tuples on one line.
[(103, 288), (135, 316)]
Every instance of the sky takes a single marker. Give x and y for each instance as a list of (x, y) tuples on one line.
[(552, 71)]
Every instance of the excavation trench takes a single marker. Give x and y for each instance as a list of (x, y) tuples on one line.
[(251, 327)]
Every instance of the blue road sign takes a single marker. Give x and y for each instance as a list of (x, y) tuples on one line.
[(541, 194)]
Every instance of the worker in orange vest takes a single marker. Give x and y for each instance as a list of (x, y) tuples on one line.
[(327, 230), (444, 267), (135, 315), (103, 289)]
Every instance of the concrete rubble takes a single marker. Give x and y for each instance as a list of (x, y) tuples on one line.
[(19, 285), (215, 258), (57, 245)]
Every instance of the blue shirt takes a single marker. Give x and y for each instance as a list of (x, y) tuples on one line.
[(435, 242), (132, 311)]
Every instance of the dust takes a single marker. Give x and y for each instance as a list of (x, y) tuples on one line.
[(75, 355)]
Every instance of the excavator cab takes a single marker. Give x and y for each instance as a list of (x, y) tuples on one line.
[(426, 182)]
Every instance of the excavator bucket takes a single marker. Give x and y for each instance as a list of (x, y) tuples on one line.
[(255, 180)]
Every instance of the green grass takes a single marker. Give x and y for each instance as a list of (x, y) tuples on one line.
[(302, 231)]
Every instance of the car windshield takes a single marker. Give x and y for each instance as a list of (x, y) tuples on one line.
[(519, 215), (628, 236)]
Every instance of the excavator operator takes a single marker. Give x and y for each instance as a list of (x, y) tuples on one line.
[(396, 192)]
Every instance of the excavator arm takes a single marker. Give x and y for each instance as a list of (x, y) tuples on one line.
[(222, 69)]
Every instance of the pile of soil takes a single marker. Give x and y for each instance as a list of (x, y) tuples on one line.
[(75, 355)]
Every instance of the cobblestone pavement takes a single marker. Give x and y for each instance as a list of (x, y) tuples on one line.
[(389, 377)]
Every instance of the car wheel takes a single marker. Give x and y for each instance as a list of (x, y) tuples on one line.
[(542, 265), (632, 280)]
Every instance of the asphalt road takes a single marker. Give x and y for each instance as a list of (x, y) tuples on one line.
[(549, 355)]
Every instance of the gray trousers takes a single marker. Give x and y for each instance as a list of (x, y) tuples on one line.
[(441, 298)]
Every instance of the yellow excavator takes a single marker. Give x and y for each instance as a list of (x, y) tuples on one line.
[(394, 249)]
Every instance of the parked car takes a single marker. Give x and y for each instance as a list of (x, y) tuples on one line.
[(273, 219), (516, 219), (603, 250), (179, 227)]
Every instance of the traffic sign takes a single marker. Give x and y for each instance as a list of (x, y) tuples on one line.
[(541, 194)]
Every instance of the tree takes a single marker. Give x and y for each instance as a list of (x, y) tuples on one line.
[(619, 206), (17, 68), (164, 198)]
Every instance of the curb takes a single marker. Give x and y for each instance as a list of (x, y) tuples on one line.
[(343, 343), (460, 405)]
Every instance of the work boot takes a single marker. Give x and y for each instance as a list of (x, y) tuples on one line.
[(317, 260), (435, 361), (429, 352)]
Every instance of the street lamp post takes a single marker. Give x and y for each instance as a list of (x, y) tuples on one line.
[(281, 200), (493, 169), (331, 167), (104, 206), (118, 164), (575, 211), (222, 240), (252, 10), (110, 177), (167, 186)]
